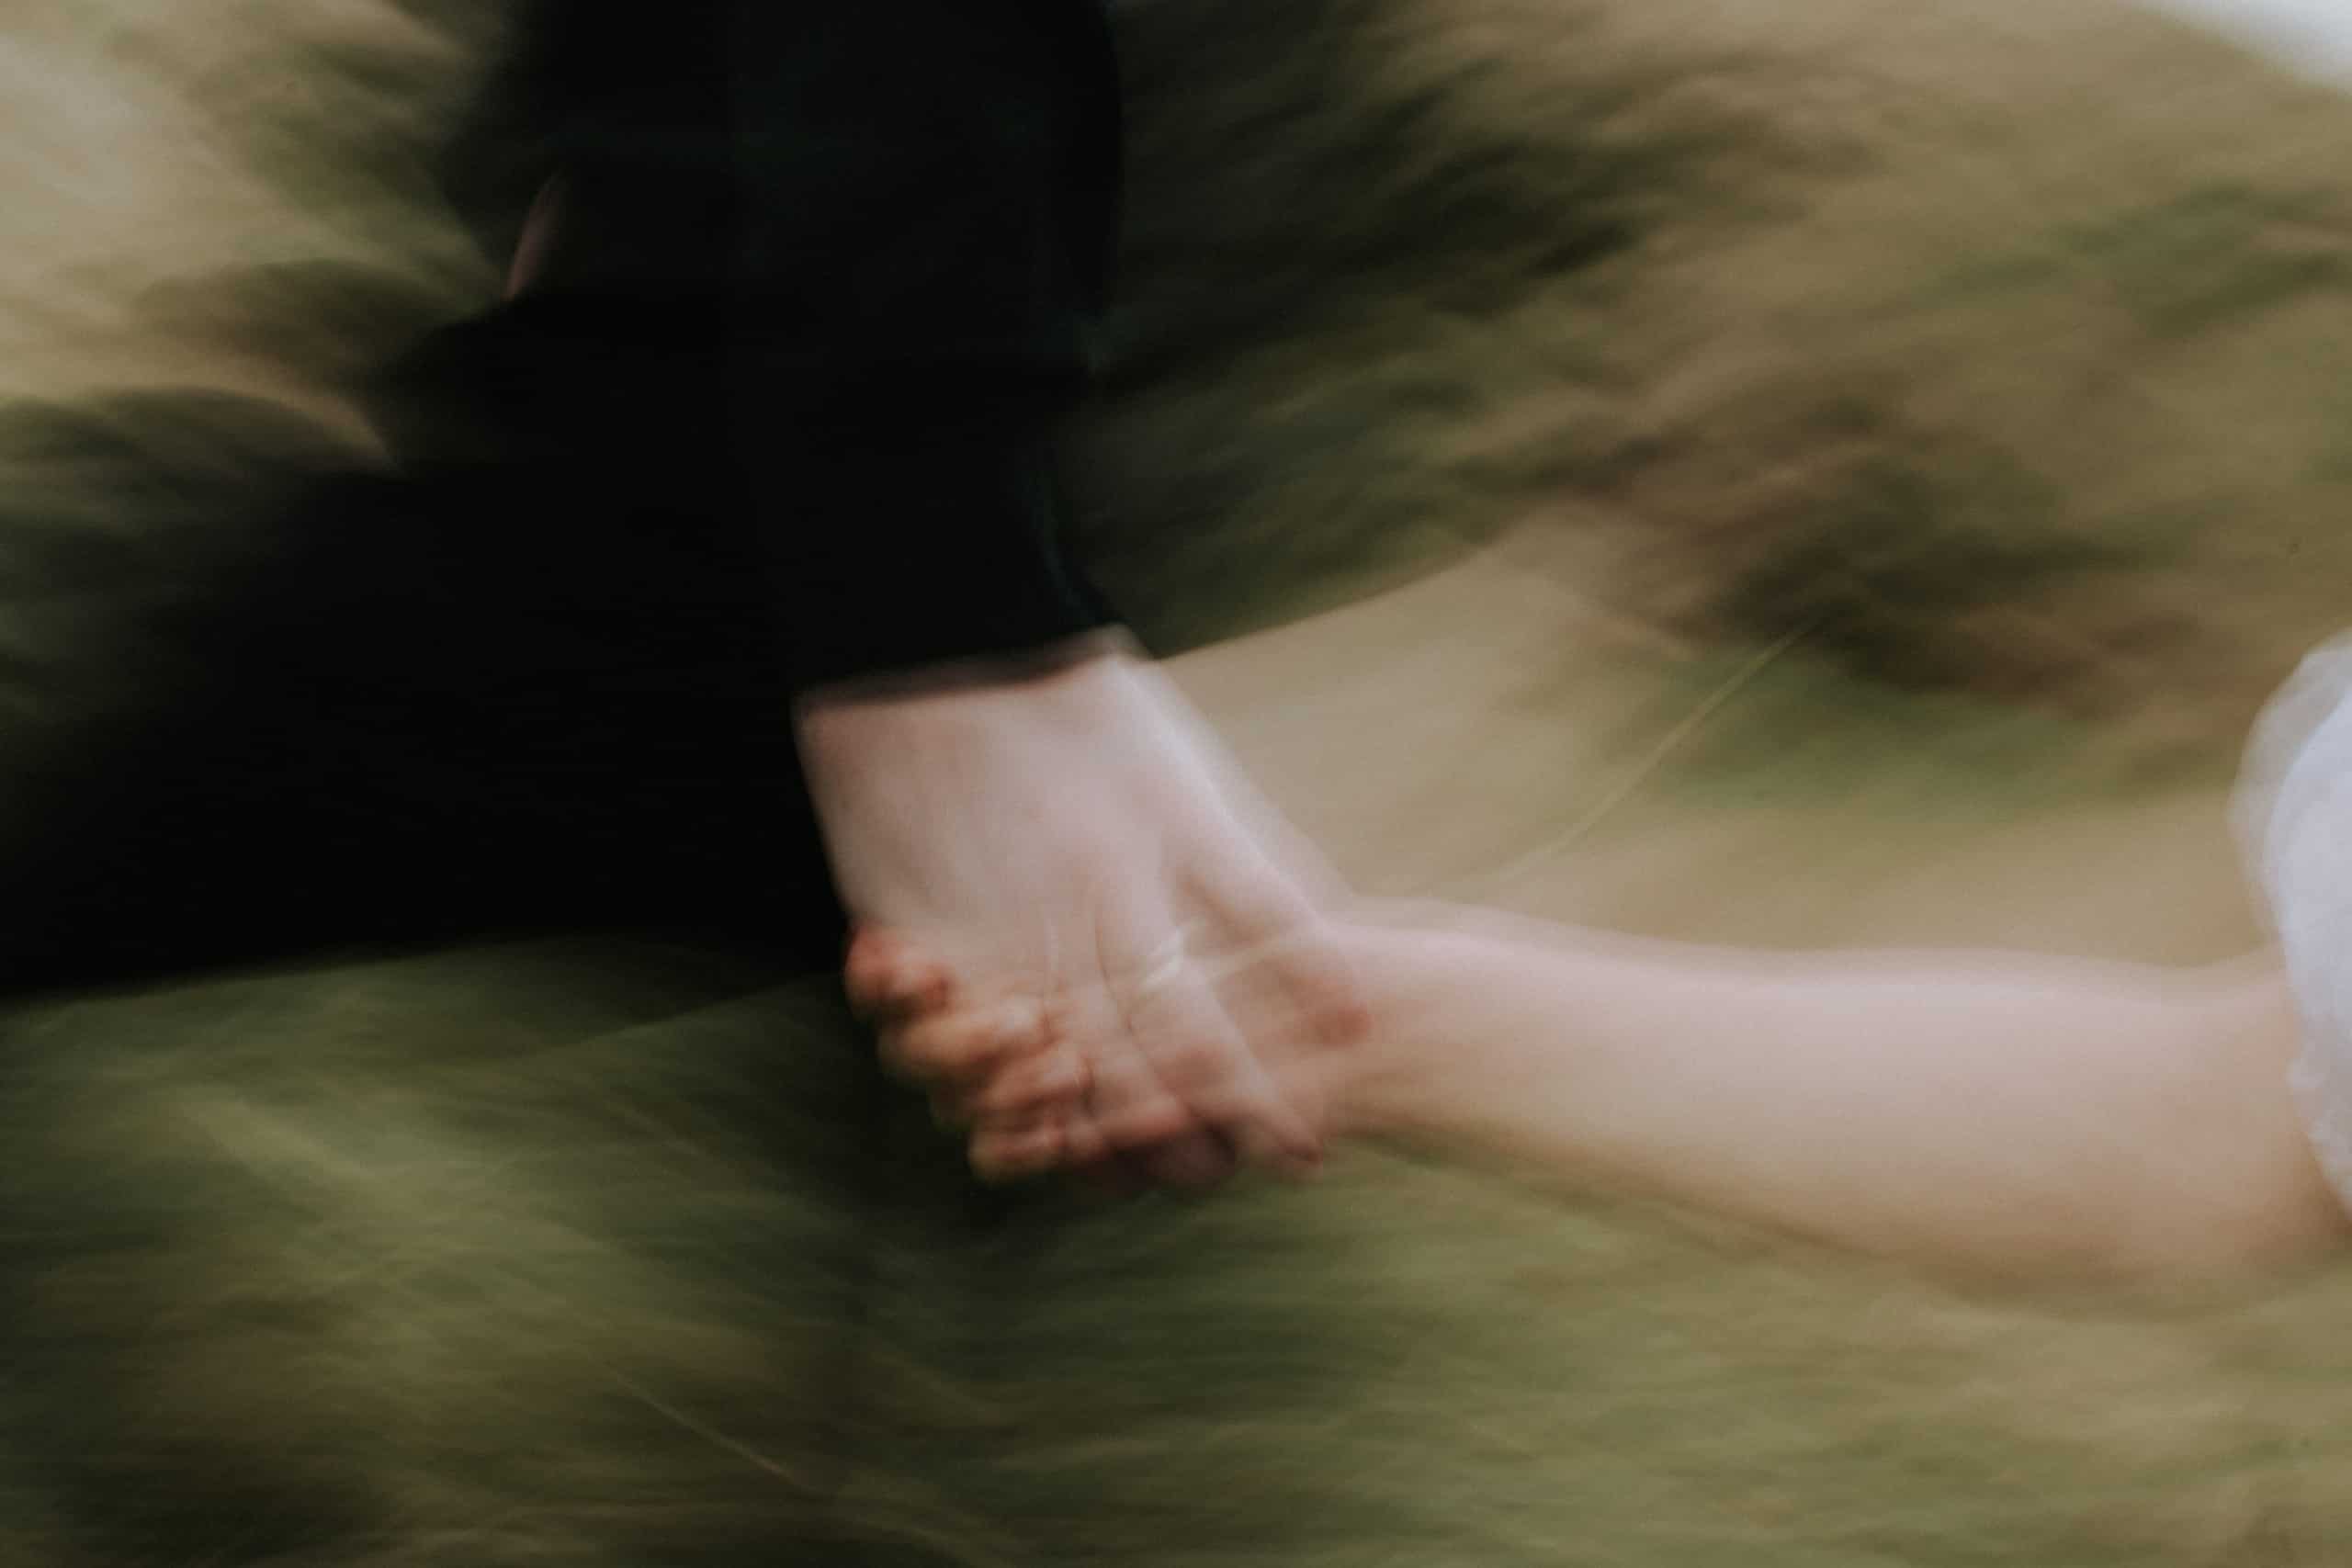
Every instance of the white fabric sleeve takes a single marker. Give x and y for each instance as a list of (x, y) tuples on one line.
[(2293, 817)]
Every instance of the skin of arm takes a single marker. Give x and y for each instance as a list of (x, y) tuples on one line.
[(1991, 1112)]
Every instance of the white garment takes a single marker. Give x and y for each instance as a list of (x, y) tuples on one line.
[(2293, 814)]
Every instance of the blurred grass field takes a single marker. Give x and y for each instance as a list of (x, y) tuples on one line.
[(1831, 472)]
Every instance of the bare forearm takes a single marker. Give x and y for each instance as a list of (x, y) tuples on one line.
[(1990, 1109)]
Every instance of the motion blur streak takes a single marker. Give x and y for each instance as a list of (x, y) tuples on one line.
[(1812, 473)]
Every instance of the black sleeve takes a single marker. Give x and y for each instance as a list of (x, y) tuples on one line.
[(926, 195)]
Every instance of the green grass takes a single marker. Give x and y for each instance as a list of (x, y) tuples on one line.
[(495, 1259)]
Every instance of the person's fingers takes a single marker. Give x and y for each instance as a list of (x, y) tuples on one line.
[(1124, 1092), (1032, 1144), (1148, 1115), (1131, 1105), (887, 977), (1189, 1045), (965, 1043), (1086, 1149), (1205, 1064), (1015, 1151), (1053, 1079)]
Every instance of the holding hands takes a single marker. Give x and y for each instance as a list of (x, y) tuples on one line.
[(1076, 926)]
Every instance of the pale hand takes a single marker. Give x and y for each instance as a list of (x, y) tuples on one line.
[(1080, 928)]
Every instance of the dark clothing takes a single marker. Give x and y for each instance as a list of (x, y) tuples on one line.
[(421, 724), (889, 225), (780, 411)]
